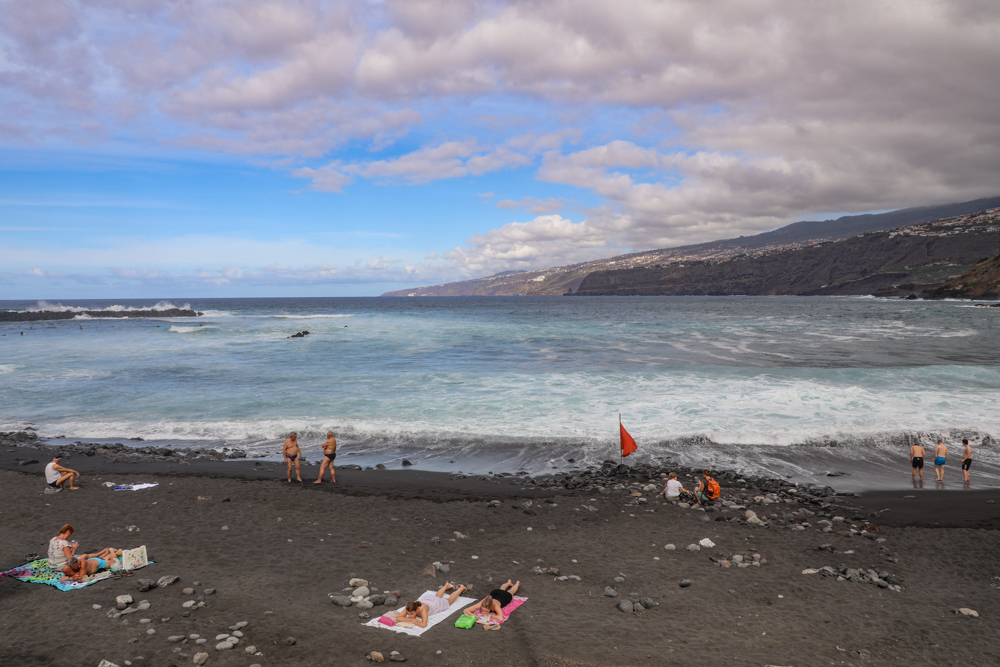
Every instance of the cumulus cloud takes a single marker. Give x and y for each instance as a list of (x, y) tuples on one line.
[(530, 245), (686, 121)]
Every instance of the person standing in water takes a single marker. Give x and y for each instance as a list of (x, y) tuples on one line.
[(291, 452), (917, 460), (940, 459), (966, 459), (329, 454)]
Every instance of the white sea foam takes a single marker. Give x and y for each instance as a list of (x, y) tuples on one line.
[(179, 329), (319, 316), (46, 307), (8, 368)]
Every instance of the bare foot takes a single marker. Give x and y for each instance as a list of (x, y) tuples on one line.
[(74, 488), (318, 482)]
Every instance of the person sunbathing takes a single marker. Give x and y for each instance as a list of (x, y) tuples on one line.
[(428, 604), (78, 567), (491, 606)]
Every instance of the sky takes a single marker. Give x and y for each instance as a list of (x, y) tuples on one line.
[(171, 148)]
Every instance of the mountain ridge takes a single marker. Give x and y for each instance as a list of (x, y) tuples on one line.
[(559, 280)]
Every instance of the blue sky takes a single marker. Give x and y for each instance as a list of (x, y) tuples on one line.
[(298, 147)]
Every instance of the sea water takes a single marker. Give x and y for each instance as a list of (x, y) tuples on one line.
[(798, 387)]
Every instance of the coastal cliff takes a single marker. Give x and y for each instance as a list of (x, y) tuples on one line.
[(980, 282), (903, 261)]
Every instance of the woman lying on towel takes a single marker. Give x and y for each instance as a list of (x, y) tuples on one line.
[(491, 606), (428, 604), (78, 567)]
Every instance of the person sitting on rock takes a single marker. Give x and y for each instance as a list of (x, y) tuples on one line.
[(708, 489), (77, 567), (57, 476), (674, 491), (492, 605), (428, 604)]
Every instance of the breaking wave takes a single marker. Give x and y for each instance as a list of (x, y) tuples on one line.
[(46, 307)]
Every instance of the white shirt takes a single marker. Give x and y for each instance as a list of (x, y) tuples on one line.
[(51, 474), (57, 557), (673, 488)]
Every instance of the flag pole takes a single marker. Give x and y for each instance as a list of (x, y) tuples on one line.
[(620, 458)]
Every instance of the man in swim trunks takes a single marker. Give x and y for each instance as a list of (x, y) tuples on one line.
[(940, 459), (290, 450), (78, 567), (917, 459), (329, 454), (57, 476), (966, 459)]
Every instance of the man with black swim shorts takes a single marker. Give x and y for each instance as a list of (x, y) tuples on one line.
[(966, 459), (290, 450), (329, 454), (917, 459)]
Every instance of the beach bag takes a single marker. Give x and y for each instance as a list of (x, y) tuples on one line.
[(713, 490), (134, 558), (465, 621)]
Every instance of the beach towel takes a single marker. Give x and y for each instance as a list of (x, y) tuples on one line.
[(39, 572), (432, 620), (132, 487), (484, 619)]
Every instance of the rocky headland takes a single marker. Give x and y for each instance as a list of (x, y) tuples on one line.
[(47, 315)]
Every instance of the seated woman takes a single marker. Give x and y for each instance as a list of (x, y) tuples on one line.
[(674, 491), (491, 606), (418, 611), (78, 567)]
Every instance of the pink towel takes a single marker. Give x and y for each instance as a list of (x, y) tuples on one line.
[(506, 611)]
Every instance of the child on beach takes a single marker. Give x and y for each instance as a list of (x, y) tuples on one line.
[(290, 450)]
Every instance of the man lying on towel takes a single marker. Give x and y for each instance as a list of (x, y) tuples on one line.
[(418, 611), (78, 567)]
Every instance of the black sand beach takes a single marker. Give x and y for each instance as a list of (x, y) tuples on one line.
[(288, 546)]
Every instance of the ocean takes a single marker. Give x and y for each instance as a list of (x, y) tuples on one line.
[(803, 388)]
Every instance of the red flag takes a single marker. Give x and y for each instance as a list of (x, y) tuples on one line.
[(628, 443)]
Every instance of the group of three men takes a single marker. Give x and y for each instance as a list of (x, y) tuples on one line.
[(940, 459)]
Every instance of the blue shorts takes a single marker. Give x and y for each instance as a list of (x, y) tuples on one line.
[(101, 563), (939, 460)]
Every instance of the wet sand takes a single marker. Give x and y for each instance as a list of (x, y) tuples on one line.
[(288, 546)]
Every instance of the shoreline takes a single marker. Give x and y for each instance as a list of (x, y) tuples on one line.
[(274, 553)]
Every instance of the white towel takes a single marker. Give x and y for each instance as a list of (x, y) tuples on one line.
[(432, 620)]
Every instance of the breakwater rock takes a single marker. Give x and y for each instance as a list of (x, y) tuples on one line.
[(45, 315)]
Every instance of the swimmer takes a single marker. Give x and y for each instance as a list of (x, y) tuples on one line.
[(940, 459), (917, 460)]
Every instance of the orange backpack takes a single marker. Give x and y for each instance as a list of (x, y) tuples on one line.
[(713, 489)]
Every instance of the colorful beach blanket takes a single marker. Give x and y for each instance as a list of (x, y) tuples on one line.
[(39, 572), (485, 619), (432, 620)]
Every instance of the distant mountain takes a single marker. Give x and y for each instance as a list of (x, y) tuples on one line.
[(906, 260), (558, 280)]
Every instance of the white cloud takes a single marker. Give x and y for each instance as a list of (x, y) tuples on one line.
[(547, 240), (688, 120)]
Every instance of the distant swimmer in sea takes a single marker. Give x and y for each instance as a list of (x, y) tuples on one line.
[(917, 459), (329, 454), (291, 452), (966, 459), (940, 459)]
